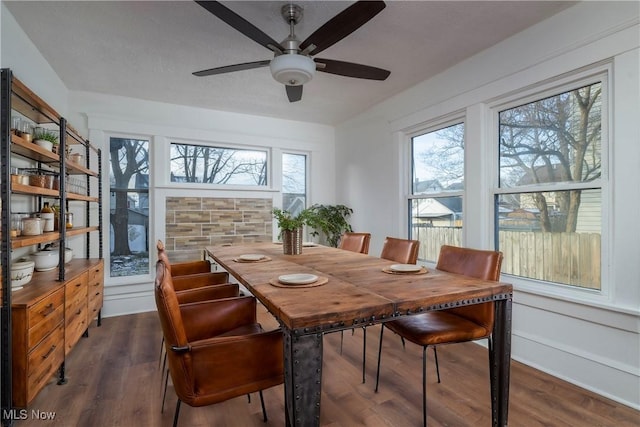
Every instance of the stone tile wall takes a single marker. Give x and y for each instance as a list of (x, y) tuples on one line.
[(192, 223)]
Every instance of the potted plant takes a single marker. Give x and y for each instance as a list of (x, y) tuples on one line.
[(330, 220), (46, 139), (291, 229)]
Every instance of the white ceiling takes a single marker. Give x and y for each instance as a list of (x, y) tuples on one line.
[(148, 49)]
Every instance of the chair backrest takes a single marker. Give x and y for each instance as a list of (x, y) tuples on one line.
[(403, 251), (182, 268), (480, 264), (355, 242)]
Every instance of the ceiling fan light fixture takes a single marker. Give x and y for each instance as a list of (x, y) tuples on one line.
[(292, 69)]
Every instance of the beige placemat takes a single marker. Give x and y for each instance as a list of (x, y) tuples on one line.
[(388, 270), (265, 259), (321, 281)]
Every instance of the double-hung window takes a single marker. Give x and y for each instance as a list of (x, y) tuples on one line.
[(294, 182), (549, 201), (437, 188), (129, 206)]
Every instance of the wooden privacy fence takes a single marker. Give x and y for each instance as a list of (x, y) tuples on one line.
[(568, 258)]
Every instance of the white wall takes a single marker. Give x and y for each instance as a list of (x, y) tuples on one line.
[(590, 340)]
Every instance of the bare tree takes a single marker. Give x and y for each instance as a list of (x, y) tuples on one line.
[(128, 158), (216, 165), (556, 139)]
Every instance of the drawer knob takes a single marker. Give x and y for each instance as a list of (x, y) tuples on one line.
[(47, 310), (53, 347)]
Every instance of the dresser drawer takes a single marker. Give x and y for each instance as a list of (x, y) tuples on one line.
[(75, 324), (45, 326), (45, 308), (76, 288), (96, 274), (95, 302), (44, 360)]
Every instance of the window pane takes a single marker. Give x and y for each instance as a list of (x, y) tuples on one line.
[(435, 222), (438, 160), (129, 215), (294, 182), (556, 139), (218, 165), (533, 236)]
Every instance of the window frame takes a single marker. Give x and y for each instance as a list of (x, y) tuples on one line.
[(215, 186), (307, 157), (141, 278), (600, 73), (422, 129)]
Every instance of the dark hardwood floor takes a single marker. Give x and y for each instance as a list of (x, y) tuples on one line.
[(114, 380)]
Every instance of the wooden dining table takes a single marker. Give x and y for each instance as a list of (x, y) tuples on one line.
[(355, 290)]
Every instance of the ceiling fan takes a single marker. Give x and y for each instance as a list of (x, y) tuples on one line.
[(293, 64)]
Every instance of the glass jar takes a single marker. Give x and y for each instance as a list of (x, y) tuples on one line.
[(68, 220)]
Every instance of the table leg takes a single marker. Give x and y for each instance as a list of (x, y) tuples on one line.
[(302, 378), (500, 363)]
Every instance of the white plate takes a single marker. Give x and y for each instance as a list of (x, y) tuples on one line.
[(405, 267), (309, 244), (297, 279), (251, 257)]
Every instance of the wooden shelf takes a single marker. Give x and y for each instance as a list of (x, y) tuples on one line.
[(24, 241), (33, 151), (76, 231), (34, 191)]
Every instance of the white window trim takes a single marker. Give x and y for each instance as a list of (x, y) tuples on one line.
[(589, 75)]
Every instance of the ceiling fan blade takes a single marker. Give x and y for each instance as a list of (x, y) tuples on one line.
[(349, 69), (294, 93), (231, 68), (241, 24), (341, 25)]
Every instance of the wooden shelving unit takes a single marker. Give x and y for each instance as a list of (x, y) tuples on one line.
[(45, 287)]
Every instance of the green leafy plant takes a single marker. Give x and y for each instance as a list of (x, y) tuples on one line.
[(47, 136), (286, 221), (330, 220)]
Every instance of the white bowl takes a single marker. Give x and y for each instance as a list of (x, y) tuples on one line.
[(68, 255), (45, 260), (21, 273)]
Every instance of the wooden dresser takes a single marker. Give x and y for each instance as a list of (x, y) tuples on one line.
[(49, 317)]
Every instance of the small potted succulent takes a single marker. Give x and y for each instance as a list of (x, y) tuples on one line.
[(291, 229), (46, 139)]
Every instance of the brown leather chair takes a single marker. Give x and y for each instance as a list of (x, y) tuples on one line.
[(403, 251), (355, 242), (193, 281), (216, 349), (454, 325)]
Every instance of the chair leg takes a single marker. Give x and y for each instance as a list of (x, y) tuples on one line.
[(341, 340), (424, 386), (435, 354), (364, 353), (264, 410), (379, 354), (164, 363), (161, 351), (402, 339), (175, 416), (164, 395)]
